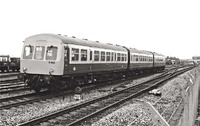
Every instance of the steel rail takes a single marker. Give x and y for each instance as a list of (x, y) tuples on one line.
[(8, 75), (14, 90)]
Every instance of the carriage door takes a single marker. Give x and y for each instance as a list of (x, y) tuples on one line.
[(66, 59)]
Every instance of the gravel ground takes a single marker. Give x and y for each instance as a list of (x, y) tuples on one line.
[(134, 114), (23, 113)]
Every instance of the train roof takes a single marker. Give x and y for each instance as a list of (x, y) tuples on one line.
[(76, 41), (133, 50), (4, 56), (157, 54)]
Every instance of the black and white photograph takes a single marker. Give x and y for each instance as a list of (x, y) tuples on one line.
[(100, 63)]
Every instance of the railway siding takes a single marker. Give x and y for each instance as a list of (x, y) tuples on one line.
[(26, 112), (46, 118), (60, 101)]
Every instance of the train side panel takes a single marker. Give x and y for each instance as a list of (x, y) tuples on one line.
[(83, 61), (159, 61)]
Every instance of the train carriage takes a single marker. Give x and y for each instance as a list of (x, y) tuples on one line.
[(48, 57), (14, 64), (55, 61), (93, 57), (4, 63), (159, 61), (140, 59)]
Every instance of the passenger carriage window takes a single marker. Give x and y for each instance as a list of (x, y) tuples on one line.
[(123, 57), (75, 54), (107, 56), (4, 59), (83, 55), (39, 52), (28, 52), (118, 56), (133, 57), (115, 57), (112, 56), (96, 55), (102, 56), (137, 58), (65, 54), (90, 55), (51, 53)]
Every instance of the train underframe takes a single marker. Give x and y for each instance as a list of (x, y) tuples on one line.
[(57, 83), (4, 68)]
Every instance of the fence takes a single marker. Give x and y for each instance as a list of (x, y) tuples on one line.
[(191, 99)]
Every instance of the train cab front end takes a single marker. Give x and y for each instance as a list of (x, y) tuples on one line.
[(41, 62)]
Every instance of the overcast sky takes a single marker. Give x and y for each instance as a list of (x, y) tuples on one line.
[(169, 27)]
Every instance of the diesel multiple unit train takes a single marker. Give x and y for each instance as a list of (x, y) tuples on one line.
[(8, 63), (57, 61)]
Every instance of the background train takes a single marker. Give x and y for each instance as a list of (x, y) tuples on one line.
[(56, 61), (8, 63)]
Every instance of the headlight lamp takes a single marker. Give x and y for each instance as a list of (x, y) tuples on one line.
[(24, 69), (51, 71)]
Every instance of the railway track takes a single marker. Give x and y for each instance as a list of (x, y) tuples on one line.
[(14, 90), (3, 75), (10, 84), (14, 86), (77, 114), (9, 102), (3, 81), (8, 78), (30, 98)]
